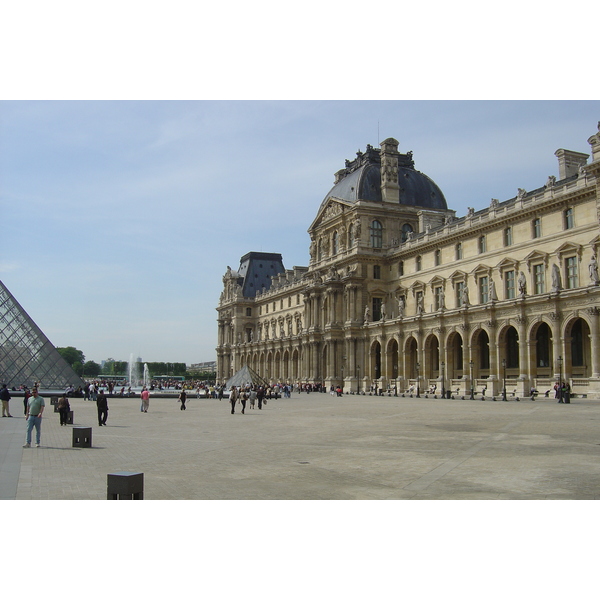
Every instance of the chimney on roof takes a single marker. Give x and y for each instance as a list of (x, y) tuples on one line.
[(390, 190), (569, 162)]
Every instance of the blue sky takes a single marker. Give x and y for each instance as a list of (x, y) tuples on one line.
[(120, 217)]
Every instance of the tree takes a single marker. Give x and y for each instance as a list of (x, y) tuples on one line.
[(72, 355), (91, 369)]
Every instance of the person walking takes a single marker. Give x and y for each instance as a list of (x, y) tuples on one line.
[(233, 396), (243, 400), (26, 397), (182, 399), (5, 397), (252, 397), (260, 396), (145, 395), (102, 406), (35, 408), (63, 409)]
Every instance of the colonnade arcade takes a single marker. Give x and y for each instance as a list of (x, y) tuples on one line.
[(516, 354)]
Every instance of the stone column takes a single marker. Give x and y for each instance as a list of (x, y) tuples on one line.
[(594, 341)]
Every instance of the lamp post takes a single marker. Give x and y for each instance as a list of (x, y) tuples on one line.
[(443, 380), (504, 380), (418, 380), (358, 369), (560, 395), (471, 378)]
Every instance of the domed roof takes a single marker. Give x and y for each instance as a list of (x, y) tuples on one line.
[(361, 180)]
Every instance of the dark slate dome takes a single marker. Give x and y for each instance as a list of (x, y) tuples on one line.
[(361, 180)]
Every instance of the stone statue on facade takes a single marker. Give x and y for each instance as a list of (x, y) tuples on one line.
[(522, 284), (493, 294), (465, 296), (551, 181), (593, 270), (367, 316), (420, 309), (556, 283), (382, 311), (401, 307)]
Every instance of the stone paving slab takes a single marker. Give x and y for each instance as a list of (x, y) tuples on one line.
[(315, 446)]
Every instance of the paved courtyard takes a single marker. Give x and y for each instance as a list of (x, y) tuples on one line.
[(314, 446)]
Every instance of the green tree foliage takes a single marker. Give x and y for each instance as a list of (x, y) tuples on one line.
[(161, 368), (72, 355), (91, 369), (115, 367)]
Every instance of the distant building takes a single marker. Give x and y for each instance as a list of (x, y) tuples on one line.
[(203, 367), (401, 292)]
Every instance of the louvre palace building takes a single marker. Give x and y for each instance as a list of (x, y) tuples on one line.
[(401, 294)]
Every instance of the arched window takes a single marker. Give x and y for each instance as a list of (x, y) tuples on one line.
[(417, 263), (376, 234), (406, 229)]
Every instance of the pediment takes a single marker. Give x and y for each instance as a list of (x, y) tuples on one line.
[(507, 263), (437, 281), (332, 208), (536, 255), (458, 275), (481, 270)]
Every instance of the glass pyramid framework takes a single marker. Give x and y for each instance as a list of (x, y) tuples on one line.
[(26, 355)]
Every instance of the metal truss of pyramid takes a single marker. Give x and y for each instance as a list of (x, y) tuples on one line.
[(26, 355)]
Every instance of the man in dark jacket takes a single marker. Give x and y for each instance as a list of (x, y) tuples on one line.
[(102, 406), (5, 397)]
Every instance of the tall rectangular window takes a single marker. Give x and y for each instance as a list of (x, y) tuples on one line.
[(482, 244), (376, 234), (418, 263), (508, 236), (509, 285), (539, 279), (248, 312), (459, 252), (376, 309), (438, 258), (569, 219), (536, 228), (401, 268), (376, 272), (572, 274), (484, 290)]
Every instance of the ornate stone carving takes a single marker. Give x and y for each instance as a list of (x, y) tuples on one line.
[(332, 210)]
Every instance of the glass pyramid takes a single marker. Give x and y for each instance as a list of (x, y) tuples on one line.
[(26, 355)]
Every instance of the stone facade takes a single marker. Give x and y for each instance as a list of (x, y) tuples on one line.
[(399, 292)]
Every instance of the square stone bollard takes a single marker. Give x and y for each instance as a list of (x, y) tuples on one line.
[(82, 437), (125, 485)]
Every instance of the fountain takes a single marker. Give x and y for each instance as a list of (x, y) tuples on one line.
[(134, 372), (146, 376)]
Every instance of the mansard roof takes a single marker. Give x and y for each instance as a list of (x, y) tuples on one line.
[(361, 180)]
